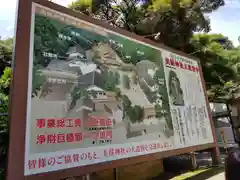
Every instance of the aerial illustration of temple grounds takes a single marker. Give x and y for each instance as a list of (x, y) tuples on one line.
[(80, 74)]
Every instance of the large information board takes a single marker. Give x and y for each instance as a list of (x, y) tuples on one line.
[(97, 95)]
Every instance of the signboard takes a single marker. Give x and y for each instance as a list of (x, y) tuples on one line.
[(95, 95)]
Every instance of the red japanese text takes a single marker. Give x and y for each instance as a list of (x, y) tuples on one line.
[(98, 121), (59, 138), (181, 65), (44, 162), (58, 123)]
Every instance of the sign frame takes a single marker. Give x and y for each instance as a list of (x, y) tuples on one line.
[(19, 97)]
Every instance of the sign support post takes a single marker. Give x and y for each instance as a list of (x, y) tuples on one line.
[(215, 154)]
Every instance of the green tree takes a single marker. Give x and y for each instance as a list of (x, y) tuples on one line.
[(118, 92), (37, 80), (84, 6), (135, 113), (158, 110), (109, 80), (159, 74), (5, 80), (134, 78), (5, 54), (111, 74), (8, 43), (139, 113), (218, 58), (78, 93), (117, 78), (126, 82), (46, 39), (171, 22), (126, 102), (4, 125)]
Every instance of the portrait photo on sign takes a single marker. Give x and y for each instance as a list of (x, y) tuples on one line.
[(175, 90)]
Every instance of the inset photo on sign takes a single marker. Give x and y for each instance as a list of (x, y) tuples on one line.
[(175, 90)]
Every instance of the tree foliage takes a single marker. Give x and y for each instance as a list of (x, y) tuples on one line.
[(4, 92), (218, 59), (4, 124), (5, 81), (37, 80), (46, 40), (5, 53), (134, 113), (109, 81), (173, 23), (126, 82)]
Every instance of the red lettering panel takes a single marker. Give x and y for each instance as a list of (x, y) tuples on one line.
[(69, 122), (193, 69), (75, 157), (51, 138), (41, 123), (70, 137), (51, 161), (51, 123), (77, 122), (32, 164), (41, 139), (78, 137), (172, 62), (60, 123), (67, 159), (109, 123), (102, 122), (167, 61), (177, 64), (41, 162), (181, 65), (61, 138)]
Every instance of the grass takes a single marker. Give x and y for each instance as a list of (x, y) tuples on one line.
[(200, 174), (190, 174)]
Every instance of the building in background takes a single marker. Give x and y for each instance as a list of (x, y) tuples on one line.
[(222, 118)]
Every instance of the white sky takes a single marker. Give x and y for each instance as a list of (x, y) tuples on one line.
[(225, 20)]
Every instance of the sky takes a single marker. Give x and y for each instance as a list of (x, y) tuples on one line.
[(225, 20)]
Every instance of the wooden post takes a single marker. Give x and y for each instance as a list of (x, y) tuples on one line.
[(194, 160), (116, 174), (215, 154)]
